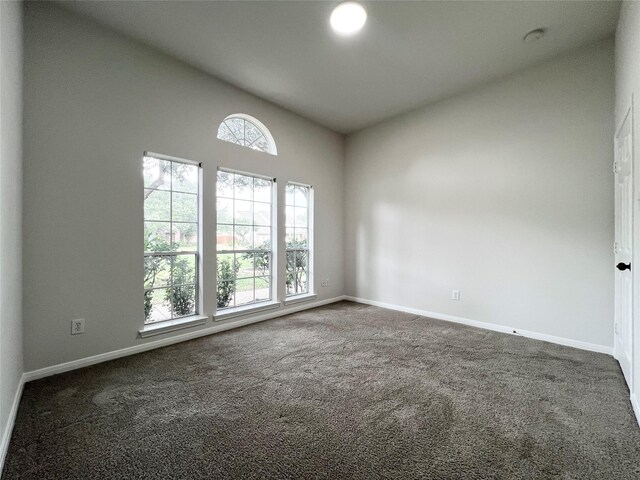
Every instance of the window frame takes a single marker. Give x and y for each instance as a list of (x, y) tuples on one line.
[(196, 317), (310, 293), (272, 302)]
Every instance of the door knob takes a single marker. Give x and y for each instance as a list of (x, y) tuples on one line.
[(624, 266)]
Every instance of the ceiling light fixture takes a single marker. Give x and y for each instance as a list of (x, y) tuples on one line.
[(534, 35), (348, 18)]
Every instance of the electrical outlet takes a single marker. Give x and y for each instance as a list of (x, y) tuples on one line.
[(324, 283), (455, 294), (77, 326)]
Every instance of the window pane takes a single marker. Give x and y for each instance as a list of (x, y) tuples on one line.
[(157, 236), (245, 261), (243, 214), (183, 299), (226, 294), (185, 207), (157, 173), (301, 240), (225, 134), (157, 205), (289, 237), (262, 190), (290, 190), (224, 185), (236, 126), (157, 271), (303, 286), (225, 210), (262, 238), (251, 132), (157, 305), (263, 264), (185, 237), (226, 270), (290, 216), (301, 261), (296, 269), (263, 290), (244, 291), (301, 217), (243, 238), (301, 196), (261, 144), (243, 187), (184, 178), (224, 237), (262, 213), (184, 269)]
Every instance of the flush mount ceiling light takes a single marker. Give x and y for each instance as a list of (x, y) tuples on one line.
[(534, 35), (348, 18)]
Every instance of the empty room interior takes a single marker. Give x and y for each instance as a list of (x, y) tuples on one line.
[(319, 239)]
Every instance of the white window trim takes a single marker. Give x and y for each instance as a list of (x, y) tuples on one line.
[(248, 174), (246, 310), (169, 158), (300, 298), (158, 328)]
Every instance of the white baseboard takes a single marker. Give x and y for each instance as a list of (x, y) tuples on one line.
[(103, 357), (636, 407), (489, 326), (8, 430)]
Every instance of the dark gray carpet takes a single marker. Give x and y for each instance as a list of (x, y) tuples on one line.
[(343, 391)]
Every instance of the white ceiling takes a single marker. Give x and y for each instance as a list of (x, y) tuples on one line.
[(408, 54)]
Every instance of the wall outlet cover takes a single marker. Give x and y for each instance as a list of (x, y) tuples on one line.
[(77, 326)]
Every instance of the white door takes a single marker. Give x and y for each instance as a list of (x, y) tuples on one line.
[(624, 247)]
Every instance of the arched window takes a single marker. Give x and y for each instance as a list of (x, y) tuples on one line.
[(247, 131)]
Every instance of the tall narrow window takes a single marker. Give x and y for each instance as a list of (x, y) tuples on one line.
[(298, 239), (171, 243), (244, 239)]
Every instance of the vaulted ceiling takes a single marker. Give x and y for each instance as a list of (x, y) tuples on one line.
[(408, 54)]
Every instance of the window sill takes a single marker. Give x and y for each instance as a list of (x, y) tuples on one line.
[(300, 298), (240, 311), (172, 325)]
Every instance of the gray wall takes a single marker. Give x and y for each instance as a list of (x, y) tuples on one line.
[(94, 101), (628, 85), (505, 193), (11, 208)]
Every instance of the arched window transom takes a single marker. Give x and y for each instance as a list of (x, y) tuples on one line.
[(247, 131)]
